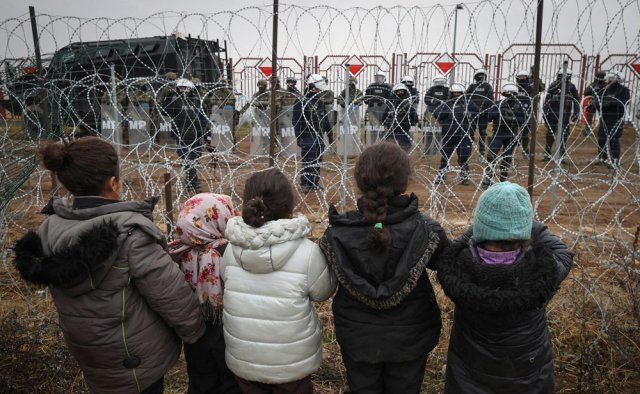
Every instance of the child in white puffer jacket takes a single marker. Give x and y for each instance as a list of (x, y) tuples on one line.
[(272, 272)]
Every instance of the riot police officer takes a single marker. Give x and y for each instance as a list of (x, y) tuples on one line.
[(591, 93), (310, 121), (525, 95), (400, 116), (377, 96), (190, 126), (507, 116), (481, 93), (551, 109), (612, 102), (456, 116), (437, 94), (409, 82)]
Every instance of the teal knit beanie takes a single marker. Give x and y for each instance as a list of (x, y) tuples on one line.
[(503, 213)]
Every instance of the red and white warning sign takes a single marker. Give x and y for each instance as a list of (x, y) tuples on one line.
[(355, 65), (266, 70), (445, 62)]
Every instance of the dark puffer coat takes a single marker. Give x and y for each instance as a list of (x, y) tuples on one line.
[(123, 304), (500, 342), (385, 309)]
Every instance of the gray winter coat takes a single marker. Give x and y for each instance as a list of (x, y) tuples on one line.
[(123, 304)]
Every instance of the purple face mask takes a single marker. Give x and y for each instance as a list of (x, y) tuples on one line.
[(489, 257)]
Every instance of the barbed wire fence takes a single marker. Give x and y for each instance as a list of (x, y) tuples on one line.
[(113, 77)]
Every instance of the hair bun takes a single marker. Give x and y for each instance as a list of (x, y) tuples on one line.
[(53, 156), (255, 212)]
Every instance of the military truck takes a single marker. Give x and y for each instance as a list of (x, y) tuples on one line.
[(78, 76)]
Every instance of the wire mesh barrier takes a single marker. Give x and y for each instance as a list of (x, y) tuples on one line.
[(186, 99)]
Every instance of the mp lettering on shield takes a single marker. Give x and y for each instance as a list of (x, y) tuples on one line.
[(133, 124)]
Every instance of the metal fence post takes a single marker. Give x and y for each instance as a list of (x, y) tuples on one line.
[(559, 137), (345, 125)]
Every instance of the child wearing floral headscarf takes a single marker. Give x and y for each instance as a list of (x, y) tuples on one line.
[(201, 229)]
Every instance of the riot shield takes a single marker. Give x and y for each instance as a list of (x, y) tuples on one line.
[(349, 132), (164, 131), (329, 140), (139, 121), (260, 122), (110, 124), (286, 133), (431, 134), (374, 129), (222, 129)]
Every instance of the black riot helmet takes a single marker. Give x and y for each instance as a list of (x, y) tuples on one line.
[(600, 76)]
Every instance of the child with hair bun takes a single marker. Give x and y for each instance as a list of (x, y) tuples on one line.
[(271, 273), (201, 242), (385, 312), (501, 274), (122, 302)]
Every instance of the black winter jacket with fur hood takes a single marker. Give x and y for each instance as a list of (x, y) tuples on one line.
[(123, 304), (385, 309), (500, 342)]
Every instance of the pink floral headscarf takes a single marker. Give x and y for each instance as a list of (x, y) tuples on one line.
[(201, 226)]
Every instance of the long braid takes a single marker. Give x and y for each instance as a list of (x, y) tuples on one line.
[(382, 172), (375, 203)]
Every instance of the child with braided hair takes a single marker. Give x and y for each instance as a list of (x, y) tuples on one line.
[(385, 312), (271, 273)]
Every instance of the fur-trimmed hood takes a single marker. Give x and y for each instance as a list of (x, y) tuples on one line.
[(529, 283), (74, 248), (382, 280), (269, 247)]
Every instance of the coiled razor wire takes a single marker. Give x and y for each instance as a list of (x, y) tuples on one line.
[(593, 207)]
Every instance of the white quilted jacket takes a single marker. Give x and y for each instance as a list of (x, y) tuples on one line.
[(271, 274)]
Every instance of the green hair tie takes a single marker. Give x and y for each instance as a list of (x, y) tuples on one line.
[(378, 226)]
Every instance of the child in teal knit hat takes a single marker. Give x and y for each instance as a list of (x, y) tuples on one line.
[(501, 274)]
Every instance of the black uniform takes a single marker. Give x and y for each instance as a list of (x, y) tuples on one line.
[(435, 96), (612, 103), (481, 93), (500, 340), (310, 121), (551, 109), (377, 100), (456, 116), (415, 95), (525, 95), (507, 116), (189, 126), (385, 312), (399, 117)]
